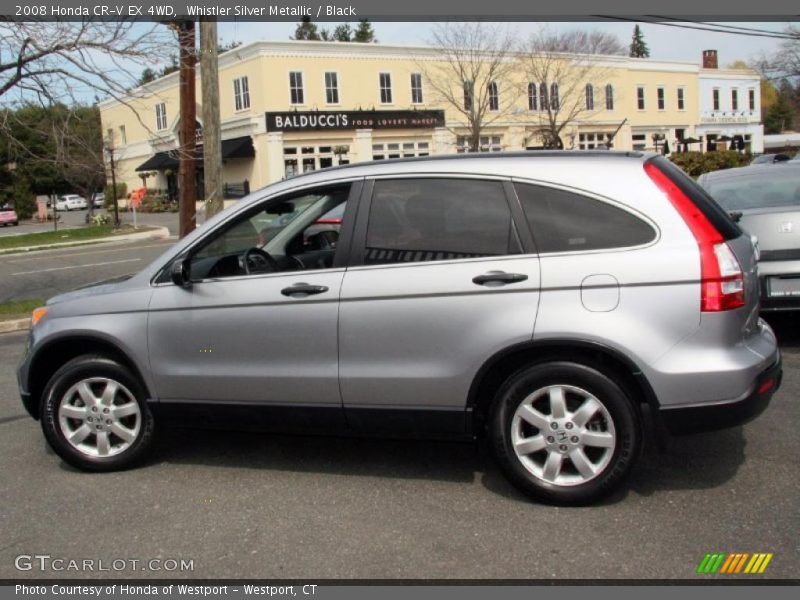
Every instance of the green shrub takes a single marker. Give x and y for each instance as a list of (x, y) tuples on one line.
[(101, 219), (697, 163), (24, 199), (122, 191)]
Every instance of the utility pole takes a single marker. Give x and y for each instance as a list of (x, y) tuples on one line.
[(186, 170), (114, 187), (212, 139)]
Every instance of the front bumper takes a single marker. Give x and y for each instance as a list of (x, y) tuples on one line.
[(709, 417)]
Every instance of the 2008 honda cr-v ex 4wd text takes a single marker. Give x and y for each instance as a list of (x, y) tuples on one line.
[(540, 300)]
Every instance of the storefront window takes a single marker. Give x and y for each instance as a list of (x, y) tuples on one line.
[(400, 149), (314, 158)]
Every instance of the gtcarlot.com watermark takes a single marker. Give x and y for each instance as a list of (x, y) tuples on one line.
[(45, 563)]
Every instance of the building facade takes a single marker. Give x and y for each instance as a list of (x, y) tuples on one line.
[(296, 106), (730, 107)]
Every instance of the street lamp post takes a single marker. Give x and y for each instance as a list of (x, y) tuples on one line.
[(109, 150)]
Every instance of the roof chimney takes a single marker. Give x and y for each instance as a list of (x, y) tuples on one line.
[(710, 59)]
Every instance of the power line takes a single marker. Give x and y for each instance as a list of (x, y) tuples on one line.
[(733, 27), (710, 29)]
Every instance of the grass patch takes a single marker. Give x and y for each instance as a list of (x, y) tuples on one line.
[(65, 235), (20, 307)]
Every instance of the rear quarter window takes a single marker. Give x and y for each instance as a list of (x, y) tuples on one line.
[(563, 221)]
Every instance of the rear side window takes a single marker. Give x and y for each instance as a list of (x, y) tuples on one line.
[(563, 221), (413, 220)]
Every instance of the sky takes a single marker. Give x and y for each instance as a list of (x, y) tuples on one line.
[(665, 42)]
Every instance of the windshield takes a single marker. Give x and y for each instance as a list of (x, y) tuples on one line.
[(741, 190)]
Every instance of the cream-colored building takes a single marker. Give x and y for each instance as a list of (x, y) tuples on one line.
[(294, 106)]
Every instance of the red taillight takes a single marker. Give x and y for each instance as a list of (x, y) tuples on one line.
[(333, 221), (721, 277)]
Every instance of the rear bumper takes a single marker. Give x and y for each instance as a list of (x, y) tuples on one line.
[(710, 417)]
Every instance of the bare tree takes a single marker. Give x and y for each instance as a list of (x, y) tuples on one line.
[(567, 77), (70, 61), (472, 73)]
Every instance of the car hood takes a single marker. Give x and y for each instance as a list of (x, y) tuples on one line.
[(106, 286)]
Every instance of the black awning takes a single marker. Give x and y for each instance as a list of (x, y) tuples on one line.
[(241, 147), (160, 161)]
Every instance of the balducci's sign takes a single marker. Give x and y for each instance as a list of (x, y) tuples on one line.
[(357, 119)]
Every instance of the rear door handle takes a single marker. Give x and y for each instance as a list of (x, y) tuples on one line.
[(303, 289), (500, 277)]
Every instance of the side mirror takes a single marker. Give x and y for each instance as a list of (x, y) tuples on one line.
[(179, 273)]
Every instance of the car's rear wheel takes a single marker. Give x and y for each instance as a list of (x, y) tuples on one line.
[(95, 415), (564, 432)]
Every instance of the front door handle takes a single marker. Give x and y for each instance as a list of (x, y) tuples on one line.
[(500, 277), (303, 290)]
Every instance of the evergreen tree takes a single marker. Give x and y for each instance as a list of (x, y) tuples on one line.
[(364, 33), (779, 117), (147, 76), (306, 30), (639, 48), (343, 33)]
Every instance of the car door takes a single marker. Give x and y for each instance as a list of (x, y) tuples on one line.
[(264, 340), (438, 283)]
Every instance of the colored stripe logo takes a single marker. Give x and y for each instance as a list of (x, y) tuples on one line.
[(734, 563)]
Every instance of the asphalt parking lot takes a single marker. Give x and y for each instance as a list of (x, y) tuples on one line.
[(250, 505)]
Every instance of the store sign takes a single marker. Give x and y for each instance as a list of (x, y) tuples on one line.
[(723, 120), (357, 119)]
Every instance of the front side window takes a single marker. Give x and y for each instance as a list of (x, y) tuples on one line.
[(385, 80), (589, 97), (494, 97), (296, 95), (420, 220), (161, 116), (416, 88), (332, 88), (241, 93), (290, 233), (563, 221)]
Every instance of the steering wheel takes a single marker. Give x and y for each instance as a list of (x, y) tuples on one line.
[(255, 260)]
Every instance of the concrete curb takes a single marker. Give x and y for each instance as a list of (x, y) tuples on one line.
[(159, 233), (15, 325)]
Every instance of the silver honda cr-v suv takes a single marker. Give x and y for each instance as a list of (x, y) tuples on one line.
[(540, 300)]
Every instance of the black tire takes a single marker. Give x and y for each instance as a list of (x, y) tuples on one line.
[(90, 367), (613, 466)]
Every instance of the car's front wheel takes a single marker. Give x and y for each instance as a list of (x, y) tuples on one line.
[(564, 432), (95, 415)]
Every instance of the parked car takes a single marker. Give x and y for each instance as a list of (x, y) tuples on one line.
[(71, 202), (98, 200), (766, 203), (8, 216), (540, 300), (768, 159)]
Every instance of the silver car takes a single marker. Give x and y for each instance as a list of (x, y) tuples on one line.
[(766, 203), (536, 300)]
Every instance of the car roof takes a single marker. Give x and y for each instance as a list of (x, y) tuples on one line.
[(750, 171)]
